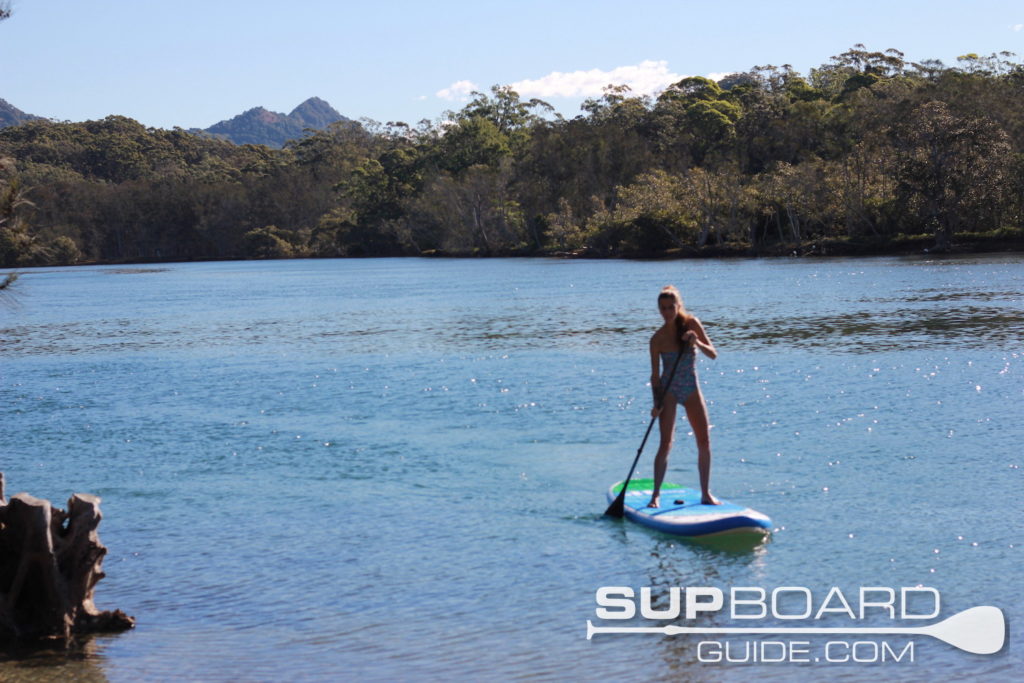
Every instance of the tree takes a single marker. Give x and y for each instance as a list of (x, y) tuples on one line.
[(268, 243), (651, 216), (865, 190), (719, 201), (886, 64), (473, 141), (18, 246), (996, 64), (691, 119), (953, 169), (563, 228), (474, 212), (866, 146), (505, 110), (797, 201)]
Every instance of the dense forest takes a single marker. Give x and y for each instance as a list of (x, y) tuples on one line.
[(867, 152)]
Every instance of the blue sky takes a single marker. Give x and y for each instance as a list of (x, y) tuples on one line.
[(192, 63)]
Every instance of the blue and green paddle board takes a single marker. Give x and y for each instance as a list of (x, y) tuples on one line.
[(682, 514)]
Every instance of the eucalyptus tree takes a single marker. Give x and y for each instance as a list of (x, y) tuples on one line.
[(953, 170), (691, 119), (505, 110)]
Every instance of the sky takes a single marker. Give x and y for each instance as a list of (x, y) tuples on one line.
[(192, 63)]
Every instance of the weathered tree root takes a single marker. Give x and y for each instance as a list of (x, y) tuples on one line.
[(49, 569)]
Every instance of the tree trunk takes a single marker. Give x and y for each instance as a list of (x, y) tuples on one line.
[(705, 230), (49, 569), (794, 224)]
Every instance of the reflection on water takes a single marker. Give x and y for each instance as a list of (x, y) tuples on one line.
[(83, 661), (315, 470), (872, 330), (725, 547)]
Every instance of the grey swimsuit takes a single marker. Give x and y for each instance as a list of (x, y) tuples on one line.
[(684, 382)]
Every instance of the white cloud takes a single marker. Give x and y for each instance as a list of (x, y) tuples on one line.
[(457, 91), (646, 78), (649, 77), (1018, 27)]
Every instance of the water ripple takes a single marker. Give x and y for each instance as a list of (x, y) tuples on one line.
[(381, 469)]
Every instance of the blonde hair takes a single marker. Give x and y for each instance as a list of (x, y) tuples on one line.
[(682, 318)]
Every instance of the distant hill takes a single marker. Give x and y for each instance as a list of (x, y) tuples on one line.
[(258, 126), (12, 116)]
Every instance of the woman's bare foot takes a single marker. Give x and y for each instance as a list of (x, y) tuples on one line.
[(708, 499), (655, 502)]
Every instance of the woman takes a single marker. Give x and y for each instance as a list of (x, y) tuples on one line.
[(681, 333)]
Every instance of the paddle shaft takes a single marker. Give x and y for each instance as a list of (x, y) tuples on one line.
[(684, 630), (617, 508)]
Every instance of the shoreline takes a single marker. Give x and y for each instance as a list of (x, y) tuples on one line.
[(918, 245)]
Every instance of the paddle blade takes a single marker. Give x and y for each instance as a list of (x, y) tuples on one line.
[(979, 630), (618, 506)]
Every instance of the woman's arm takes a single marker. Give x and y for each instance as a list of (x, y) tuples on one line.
[(696, 335)]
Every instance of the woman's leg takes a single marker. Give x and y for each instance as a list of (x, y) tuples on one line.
[(697, 414), (667, 427)]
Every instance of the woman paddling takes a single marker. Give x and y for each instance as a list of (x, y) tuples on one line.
[(681, 333)]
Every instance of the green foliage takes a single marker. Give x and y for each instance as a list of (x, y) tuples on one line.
[(953, 170), (799, 90), (561, 228), (691, 89), (268, 243), (860, 80), (505, 110), (64, 251), (18, 247), (474, 141), (862, 149), (474, 212), (652, 215)]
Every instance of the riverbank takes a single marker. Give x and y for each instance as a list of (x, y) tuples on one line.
[(1007, 240)]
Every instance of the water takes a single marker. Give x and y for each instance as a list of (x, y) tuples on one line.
[(395, 469)]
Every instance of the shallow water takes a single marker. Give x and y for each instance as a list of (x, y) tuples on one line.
[(395, 469)]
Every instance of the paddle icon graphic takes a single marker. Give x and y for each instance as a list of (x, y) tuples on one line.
[(978, 630)]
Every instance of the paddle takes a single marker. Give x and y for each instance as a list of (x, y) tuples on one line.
[(618, 506), (978, 630)]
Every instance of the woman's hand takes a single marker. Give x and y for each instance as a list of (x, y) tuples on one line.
[(699, 338), (690, 339)]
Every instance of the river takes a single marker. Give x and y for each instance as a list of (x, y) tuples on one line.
[(392, 469)]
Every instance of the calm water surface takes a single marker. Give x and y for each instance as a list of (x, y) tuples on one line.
[(395, 469)]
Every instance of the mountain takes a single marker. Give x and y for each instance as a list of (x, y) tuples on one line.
[(259, 126), (12, 116), (315, 113)]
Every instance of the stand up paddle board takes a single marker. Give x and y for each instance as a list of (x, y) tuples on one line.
[(682, 514)]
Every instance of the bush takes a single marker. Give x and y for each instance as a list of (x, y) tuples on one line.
[(64, 252)]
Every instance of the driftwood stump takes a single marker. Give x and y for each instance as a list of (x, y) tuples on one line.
[(50, 562)]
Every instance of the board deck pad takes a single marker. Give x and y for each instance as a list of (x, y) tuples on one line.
[(688, 517)]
